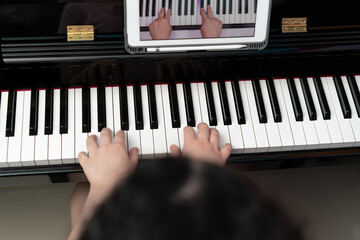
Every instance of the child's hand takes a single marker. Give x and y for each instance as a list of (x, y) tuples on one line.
[(204, 147), (211, 26), (161, 29), (108, 163)]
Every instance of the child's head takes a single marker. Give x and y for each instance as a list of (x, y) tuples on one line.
[(176, 199)]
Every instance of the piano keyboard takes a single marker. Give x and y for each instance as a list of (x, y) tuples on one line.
[(45, 127), (186, 16)]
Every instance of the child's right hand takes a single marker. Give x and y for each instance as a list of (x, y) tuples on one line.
[(204, 146)]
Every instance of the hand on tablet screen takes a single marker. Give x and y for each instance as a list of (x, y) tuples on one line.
[(211, 26), (161, 29)]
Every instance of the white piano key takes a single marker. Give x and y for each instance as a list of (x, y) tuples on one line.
[(188, 17), (156, 2), (284, 126), (133, 134), (296, 127), (233, 16), (259, 128), (227, 14), (68, 140), (176, 17), (214, 6), (196, 104), (149, 18), (194, 18), (143, 19), (182, 112), (309, 126), (183, 17), (250, 141), (236, 135), (272, 128), (197, 13), (251, 10), (28, 142), (172, 135), (355, 120), (109, 109), (80, 137), (3, 138), (344, 124), (221, 127), (116, 109), (221, 15), (94, 114), (41, 140), (333, 125), (248, 13), (54, 155), (320, 124), (147, 139), (159, 133), (243, 17), (203, 105), (14, 144)]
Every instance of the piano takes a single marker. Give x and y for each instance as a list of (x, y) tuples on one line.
[(186, 20), (295, 103)]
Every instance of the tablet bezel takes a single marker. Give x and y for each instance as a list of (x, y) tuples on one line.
[(133, 29)]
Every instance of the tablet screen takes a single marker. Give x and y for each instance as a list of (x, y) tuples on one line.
[(196, 19)]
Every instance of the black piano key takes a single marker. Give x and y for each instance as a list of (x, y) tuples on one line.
[(344, 102), (153, 10), (240, 7), (101, 108), (308, 98), (210, 104), (186, 7), (49, 111), (34, 112), (64, 101), (273, 100), (11, 113), (147, 8), (154, 124), (255, 6), (218, 6), (124, 108), (230, 7), (354, 92), (238, 103), (295, 99), (141, 7), (139, 120), (86, 117), (246, 6), (189, 107), (202, 4), (174, 106), (170, 4), (322, 98), (179, 8), (163, 4), (224, 103), (259, 101), (224, 7), (192, 10), (209, 2)]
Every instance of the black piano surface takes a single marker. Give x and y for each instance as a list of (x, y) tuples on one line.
[(35, 54)]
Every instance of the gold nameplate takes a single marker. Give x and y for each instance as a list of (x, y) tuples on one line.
[(80, 33), (294, 25)]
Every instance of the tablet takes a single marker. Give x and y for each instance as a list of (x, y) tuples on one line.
[(155, 26)]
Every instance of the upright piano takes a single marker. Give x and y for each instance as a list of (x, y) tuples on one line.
[(295, 103)]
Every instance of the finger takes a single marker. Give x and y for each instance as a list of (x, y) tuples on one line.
[(162, 13), (91, 144), (209, 12), (174, 151), (203, 14), (226, 151), (168, 14), (82, 157), (214, 138), (189, 133), (120, 138), (105, 136), (134, 155), (203, 131)]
